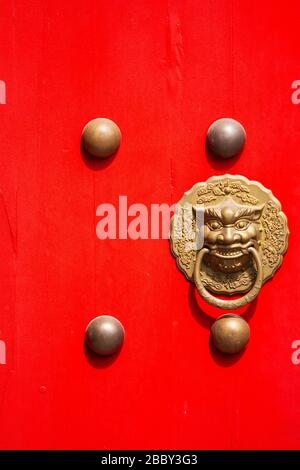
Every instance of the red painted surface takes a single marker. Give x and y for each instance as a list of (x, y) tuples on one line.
[(163, 70)]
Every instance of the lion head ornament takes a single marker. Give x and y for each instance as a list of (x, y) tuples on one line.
[(228, 235)]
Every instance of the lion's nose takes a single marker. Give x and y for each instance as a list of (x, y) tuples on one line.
[(228, 236)]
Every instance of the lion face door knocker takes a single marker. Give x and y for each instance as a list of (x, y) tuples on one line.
[(228, 235)]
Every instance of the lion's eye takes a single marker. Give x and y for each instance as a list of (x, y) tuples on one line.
[(242, 224), (214, 224)]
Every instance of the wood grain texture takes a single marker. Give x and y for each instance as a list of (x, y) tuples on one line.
[(164, 71)]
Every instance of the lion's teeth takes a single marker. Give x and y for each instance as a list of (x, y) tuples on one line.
[(229, 253)]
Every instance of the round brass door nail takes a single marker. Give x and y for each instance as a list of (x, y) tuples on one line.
[(226, 137), (230, 333), (101, 137), (105, 335)]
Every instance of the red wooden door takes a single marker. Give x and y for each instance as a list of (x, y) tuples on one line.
[(163, 70)]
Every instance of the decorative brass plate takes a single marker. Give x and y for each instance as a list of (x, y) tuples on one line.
[(244, 237)]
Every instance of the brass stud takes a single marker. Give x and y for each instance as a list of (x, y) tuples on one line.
[(105, 335), (230, 333), (226, 137), (101, 137)]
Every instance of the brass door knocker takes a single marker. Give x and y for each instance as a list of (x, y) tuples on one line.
[(229, 304), (228, 236)]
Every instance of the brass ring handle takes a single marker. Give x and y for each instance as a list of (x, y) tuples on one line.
[(229, 304)]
